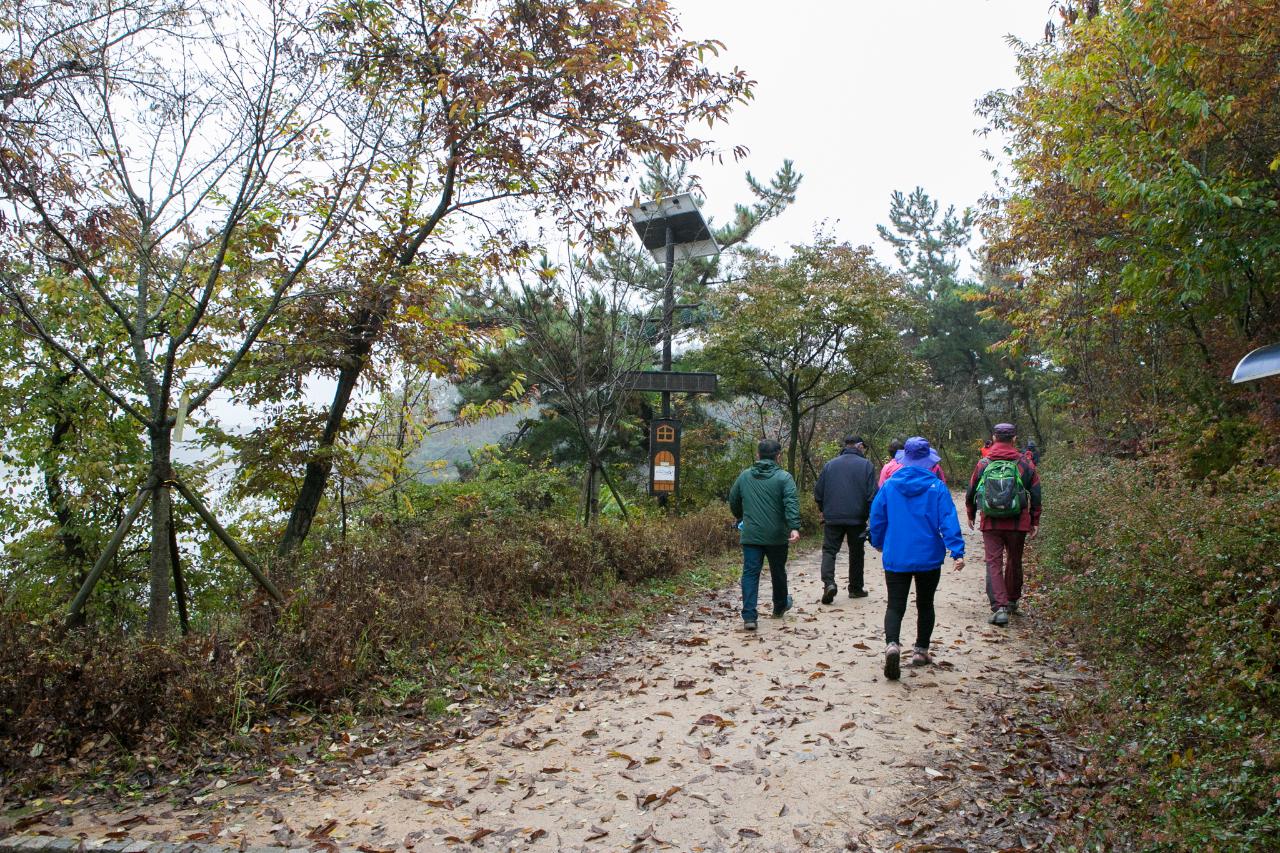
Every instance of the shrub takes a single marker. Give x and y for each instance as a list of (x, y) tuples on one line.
[(1173, 584), (361, 613)]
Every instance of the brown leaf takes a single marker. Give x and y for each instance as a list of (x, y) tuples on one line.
[(844, 727), (323, 830), (596, 833), (748, 832), (478, 834)]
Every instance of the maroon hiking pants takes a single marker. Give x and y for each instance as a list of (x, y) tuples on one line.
[(1003, 550)]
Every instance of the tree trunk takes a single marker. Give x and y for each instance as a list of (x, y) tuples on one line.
[(321, 463), (617, 495), (591, 494), (1031, 413), (179, 585), (979, 396), (793, 440), (161, 513), (73, 547)]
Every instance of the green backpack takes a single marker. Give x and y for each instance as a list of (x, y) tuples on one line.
[(1000, 493)]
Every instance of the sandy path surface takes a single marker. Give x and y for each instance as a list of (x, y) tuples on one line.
[(700, 736)]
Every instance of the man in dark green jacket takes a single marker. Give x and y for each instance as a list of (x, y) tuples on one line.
[(764, 501)]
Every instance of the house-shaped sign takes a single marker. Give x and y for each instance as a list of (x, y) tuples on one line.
[(664, 456)]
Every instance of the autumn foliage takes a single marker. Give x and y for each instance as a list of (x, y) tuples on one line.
[(1141, 234)]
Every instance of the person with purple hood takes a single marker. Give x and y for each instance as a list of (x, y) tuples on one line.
[(913, 524)]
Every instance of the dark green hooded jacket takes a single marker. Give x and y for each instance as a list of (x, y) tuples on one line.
[(764, 499)]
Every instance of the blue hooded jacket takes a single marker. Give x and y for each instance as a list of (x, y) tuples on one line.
[(914, 522)]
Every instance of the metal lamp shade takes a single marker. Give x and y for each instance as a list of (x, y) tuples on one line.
[(1262, 362)]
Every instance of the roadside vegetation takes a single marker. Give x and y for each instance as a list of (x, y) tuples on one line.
[(195, 221), (1140, 233)]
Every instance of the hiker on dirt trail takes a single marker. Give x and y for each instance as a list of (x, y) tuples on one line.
[(887, 469), (843, 493), (913, 523), (1005, 487), (895, 463), (765, 502), (1033, 452)]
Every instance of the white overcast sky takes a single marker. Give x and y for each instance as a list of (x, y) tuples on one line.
[(865, 97)]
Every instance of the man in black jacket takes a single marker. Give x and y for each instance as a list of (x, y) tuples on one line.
[(844, 492)]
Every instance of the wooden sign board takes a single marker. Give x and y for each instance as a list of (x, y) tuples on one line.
[(664, 456)]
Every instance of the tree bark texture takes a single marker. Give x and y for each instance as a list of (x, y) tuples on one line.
[(161, 512)]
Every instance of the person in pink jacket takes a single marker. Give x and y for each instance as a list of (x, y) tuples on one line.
[(895, 462)]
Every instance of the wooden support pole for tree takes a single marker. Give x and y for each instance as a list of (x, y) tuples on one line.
[(179, 585), (232, 545), (122, 530)]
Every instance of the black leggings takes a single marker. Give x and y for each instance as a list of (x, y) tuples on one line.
[(899, 584)]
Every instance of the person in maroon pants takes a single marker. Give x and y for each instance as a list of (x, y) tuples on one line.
[(1005, 487)]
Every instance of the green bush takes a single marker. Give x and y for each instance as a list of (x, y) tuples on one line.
[(1172, 584), (500, 488)]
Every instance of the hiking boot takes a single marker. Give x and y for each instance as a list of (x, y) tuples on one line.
[(892, 661), (778, 614), (828, 593), (1000, 617), (920, 657), (749, 626), (1013, 608), (857, 593)]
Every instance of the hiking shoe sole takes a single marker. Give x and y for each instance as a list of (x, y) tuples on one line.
[(858, 593), (1000, 617), (829, 594), (778, 614), (893, 663)]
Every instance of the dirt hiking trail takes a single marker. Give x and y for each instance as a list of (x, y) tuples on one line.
[(696, 736)]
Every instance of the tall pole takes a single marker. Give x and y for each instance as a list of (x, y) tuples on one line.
[(668, 320), (668, 314)]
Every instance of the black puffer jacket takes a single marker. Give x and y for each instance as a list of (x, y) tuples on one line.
[(845, 488)]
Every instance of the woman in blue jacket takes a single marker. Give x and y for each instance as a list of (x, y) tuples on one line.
[(913, 523)]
